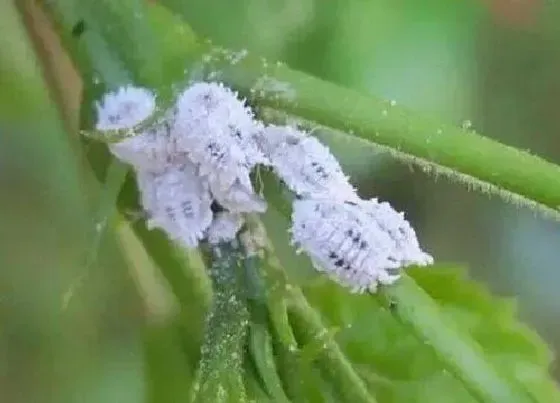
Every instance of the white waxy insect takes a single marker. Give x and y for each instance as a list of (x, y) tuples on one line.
[(151, 150), (224, 227), (129, 106), (398, 229), (125, 108), (238, 198), (346, 241), (218, 132), (306, 166), (178, 202)]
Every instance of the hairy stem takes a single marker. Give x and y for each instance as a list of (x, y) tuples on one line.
[(458, 352), (381, 122), (309, 330)]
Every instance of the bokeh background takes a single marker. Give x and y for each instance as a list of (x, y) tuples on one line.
[(488, 65)]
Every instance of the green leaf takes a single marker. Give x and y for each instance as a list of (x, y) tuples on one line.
[(400, 367), (169, 374), (493, 323)]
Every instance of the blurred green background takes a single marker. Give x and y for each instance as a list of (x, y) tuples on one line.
[(489, 65)]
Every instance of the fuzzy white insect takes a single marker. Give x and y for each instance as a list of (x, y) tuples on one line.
[(224, 227), (399, 230), (177, 201), (150, 150), (306, 165), (238, 198), (125, 108), (346, 241), (218, 132)]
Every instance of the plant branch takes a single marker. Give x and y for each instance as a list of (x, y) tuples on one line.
[(219, 377), (515, 175), (458, 352), (310, 329)]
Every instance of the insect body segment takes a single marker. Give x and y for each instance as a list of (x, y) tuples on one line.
[(218, 132), (306, 166), (346, 242), (125, 108), (178, 202)]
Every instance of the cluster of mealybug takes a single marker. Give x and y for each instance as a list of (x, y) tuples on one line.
[(201, 152)]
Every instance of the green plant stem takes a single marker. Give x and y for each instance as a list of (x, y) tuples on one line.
[(465, 153), (516, 175), (219, 377), (458, 352), (310, 329)]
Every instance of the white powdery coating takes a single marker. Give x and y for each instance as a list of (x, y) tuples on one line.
[(238, 198), (218, 132), (178, 202), (306, 166), (352, 244), (125, 108), (224, 227), (399, 229), (151, 150)]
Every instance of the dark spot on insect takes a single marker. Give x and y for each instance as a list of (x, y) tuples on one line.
[(356, 239), (216, 207), (349, 232), (332, 255), (114, 118), (186, 206), (347, 267), (170, 213), (350, 203), (78, 28), (363, 245), (339, 263), (215, 151), (292, 141), (235, 131)]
